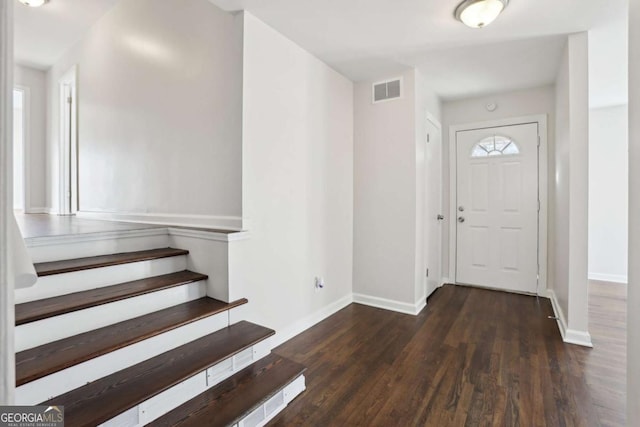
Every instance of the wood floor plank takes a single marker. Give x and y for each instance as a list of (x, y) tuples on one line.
[(107, 397), (58, 355), (472, 357), (233, 399), (78, 264), (49, 307)]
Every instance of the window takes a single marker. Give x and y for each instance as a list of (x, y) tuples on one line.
[(496, 145)]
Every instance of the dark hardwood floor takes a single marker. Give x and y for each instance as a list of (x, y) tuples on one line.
[(472, 357)]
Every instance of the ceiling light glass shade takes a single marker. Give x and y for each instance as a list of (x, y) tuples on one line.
[(480, 13), (34, 3)]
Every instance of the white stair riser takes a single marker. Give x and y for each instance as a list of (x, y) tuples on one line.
[(78, 281), (272, 407), (76, 376), (170, 399), (55, 328), (56, 248)]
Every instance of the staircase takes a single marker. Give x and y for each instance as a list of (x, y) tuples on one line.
[(133, 339)]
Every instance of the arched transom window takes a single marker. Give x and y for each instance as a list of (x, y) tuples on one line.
[(496, 145)]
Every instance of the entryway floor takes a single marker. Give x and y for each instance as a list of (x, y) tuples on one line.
[(472, 357)]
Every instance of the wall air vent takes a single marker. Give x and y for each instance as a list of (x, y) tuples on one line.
[(387, 90)]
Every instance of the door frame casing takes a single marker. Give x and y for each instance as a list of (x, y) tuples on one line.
[(436, 123), (543, 180), (68, 150)]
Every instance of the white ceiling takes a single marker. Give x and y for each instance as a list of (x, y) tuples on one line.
[(43, 34), (370, 39), (494, 67)]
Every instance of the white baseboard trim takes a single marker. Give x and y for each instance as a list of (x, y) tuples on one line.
[(387, 304), (233, 223), (570, 336), (578, 338), (615, 278), (305, 323), (38, 211), (445, 281)]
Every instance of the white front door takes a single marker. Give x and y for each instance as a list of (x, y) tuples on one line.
[(497, 207), (433, 207)]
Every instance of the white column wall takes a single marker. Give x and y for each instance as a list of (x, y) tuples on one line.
[(633, 298), (569, 242), (7, 318)]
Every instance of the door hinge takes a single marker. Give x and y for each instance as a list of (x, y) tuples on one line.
[(538, 205), (427, 272), (69, 100), (428, 138), (538, 140)]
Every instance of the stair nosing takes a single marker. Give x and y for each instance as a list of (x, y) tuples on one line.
[(150, 256), (106, 300), (134, 401), (21, 380)]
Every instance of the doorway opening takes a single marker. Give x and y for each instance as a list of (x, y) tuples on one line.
[(20, 148)]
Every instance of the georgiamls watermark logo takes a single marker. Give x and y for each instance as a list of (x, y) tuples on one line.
[(31, 416)]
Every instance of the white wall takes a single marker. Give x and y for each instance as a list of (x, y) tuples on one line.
[(511, 104), (388, 194), (159, 111), (608, 58), (385, 194), (568, 280), (608, 193), (297, 184), (559, 280), (35, 81), (633, 296)]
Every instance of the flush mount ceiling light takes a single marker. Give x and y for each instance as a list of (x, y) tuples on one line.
[(33, 3), (480, 13)]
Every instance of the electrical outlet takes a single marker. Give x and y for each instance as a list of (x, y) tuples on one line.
[(319, 284)]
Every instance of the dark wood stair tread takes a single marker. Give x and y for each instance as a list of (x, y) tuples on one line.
[(78, 264), (49, 307), (233, 399), (107, 397), (55, 356)]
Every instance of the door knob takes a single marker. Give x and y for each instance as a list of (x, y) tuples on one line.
[(461, 208), (460, 219), (440, 217)]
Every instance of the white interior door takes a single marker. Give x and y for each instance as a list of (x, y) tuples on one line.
[(497, 207), (433, 207)]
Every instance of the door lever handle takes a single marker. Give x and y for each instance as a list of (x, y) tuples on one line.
[(440, 217)]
